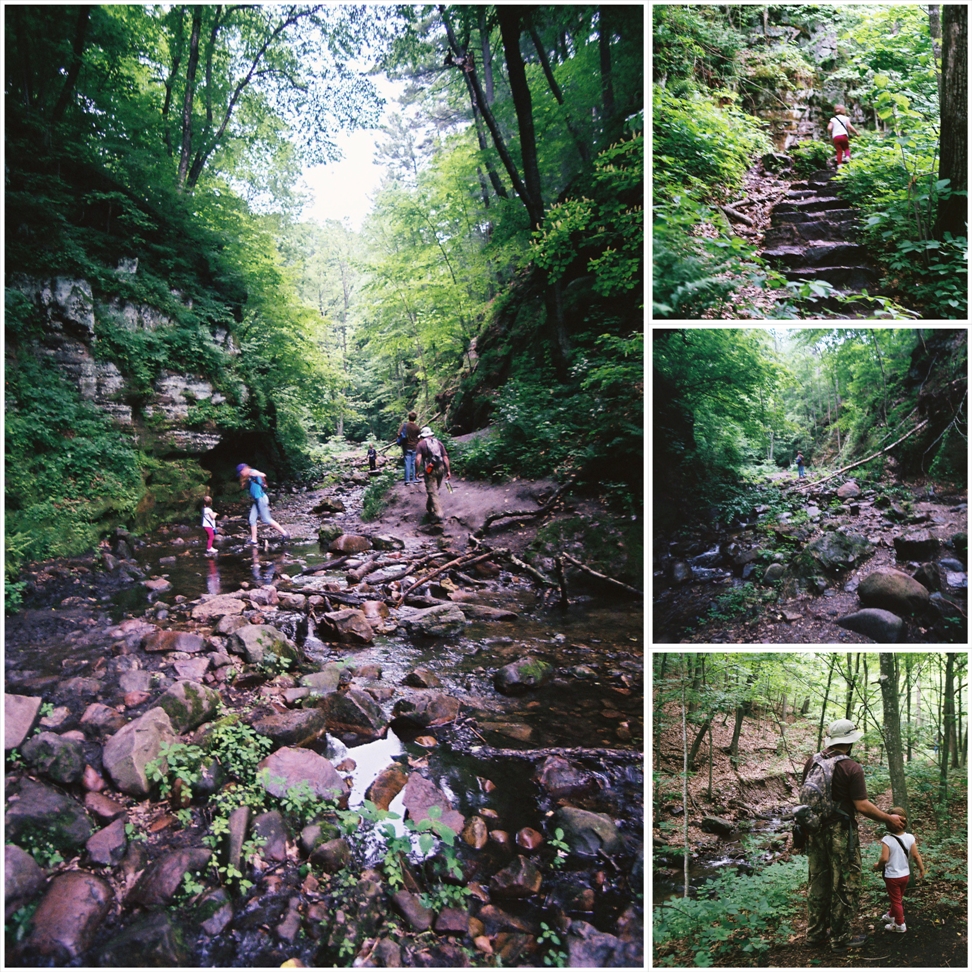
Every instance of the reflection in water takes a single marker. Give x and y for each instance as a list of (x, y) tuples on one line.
[(262, 573), (212, 577)]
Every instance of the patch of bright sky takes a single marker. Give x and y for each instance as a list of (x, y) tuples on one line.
[(343, 190)]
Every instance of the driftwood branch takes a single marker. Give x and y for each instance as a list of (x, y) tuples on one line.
[(519, 514), (603, 577), (532, 571), (466, 560), (861, 462), (354, 576), (327, 565)]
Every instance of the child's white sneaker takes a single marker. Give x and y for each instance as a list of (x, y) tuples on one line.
[(900, 929), (887, 916)]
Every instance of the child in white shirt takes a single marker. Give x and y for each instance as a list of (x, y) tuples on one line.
[(897, 848), (209, 525)]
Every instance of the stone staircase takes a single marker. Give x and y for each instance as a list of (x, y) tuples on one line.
[(812, 233)]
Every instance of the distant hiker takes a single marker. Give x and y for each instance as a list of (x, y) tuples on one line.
[(801, 472), (434, 461), (897, 847), (209, 525), (832, 794), (372, 457), (256, 481), (408, 436), (839, 126)]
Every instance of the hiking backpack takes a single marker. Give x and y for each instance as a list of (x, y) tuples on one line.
[(436, 462), (817, 805)]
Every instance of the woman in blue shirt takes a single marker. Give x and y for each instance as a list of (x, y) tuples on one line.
[(257, 482)]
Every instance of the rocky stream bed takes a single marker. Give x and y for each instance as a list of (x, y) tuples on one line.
[(502, 737)]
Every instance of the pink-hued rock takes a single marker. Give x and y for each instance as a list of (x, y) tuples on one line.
[(68, 916)]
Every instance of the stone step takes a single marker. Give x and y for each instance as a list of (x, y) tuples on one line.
[(819, 253), (839, 231), (816, 204), (799, 185), (850, 278), (820, 176), (801, 193)]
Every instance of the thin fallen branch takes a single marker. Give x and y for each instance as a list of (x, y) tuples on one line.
[(519, 514), (603, 577), (860, 462), (532, 571), (464, 561), (328, 565), (562, 581)]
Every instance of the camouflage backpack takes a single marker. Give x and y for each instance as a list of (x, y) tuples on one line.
[(817, 805)]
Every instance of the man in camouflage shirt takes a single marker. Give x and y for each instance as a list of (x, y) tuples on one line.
[(834, 851)]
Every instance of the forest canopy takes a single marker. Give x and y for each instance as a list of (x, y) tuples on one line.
[(741, 100)]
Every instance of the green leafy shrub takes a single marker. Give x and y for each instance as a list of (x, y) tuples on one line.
[(738, 919), (375, 497), (809, 157)]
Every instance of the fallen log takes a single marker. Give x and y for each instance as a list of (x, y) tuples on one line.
[(603, 577), (464, 561), (354, 576), (860, 462), (328, 565), (519, 514), (736, 215)]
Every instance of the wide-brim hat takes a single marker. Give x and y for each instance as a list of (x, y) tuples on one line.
[(426, 433), (843, 731)]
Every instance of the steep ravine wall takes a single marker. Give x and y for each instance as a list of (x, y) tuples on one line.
[(177, 446)]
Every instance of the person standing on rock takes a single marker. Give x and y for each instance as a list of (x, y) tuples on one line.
[(408, 436), (834, 851), (209, 525), (434, 461), (372, 457), (801, 472), (256, 481), (838, 127)]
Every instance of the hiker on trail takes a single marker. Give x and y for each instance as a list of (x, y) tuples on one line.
[(801, 472), (897, 847), (408, 436), (209, 525), (372, 456), (838, 127), (434, 462), (834, 788), (256, 481)]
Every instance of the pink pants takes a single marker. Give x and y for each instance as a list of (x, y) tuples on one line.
[(842, 145), (896, 888), (210, 537)]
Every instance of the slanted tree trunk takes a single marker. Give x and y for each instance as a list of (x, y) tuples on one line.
[(954, 150), (191, 68), (697, 742), (892, 729), (908, 704), (685, 849)]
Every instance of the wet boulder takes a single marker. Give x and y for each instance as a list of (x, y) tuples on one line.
[(40, 811), (101, 720), (160, 881), (850, 490), (894, 591), (927, 576), (269, 827), (521, 878), (387, 542), (163, 640), (880, 626), (23, 879), (20, 714), (420, 795), (387, 785), (773, 572), (523, 675), (327, 533), (588, 948), (331, 856), (255, 642), (426, 709), (328, 506), (152, 941), (323, 682), (348, 625), (559, 778), (128, 751), (287, 767), (108, 845), (348, 543), (717, 825), (188, 705), (216, 607), (916, 545), (422, 678), (585, 832), (438, 621), (681, 572), (837, 550), (292, 727), (354, 712), (51, 755), (68, 916), (412, 910)]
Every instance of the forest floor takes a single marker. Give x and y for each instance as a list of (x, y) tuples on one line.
[(696, 612), (764, 787)]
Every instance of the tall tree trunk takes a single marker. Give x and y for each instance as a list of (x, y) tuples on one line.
[(604, 52), (709, 793), (685, 811), (957, 731), (954, 151), (510, 16), (908, 705), (935, 29), (892, 728), (823, 710), (77, 49), (191, 67), (177, 17), (697, 742), (948, 717), (736, 729), (487, 56), (849, 677)]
